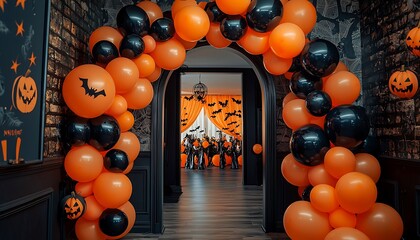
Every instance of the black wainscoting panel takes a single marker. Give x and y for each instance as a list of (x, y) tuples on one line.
[(388, 193)]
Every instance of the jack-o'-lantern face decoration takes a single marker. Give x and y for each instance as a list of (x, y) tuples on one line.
[(74, 206), (403, 84), (25, 93), (413, 40)]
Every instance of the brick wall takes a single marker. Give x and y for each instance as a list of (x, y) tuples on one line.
[(395, 122), (71, 23)]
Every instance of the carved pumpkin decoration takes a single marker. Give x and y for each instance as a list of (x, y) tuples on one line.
[(73, 206), (413, 40), (24, 93), (403, 83)]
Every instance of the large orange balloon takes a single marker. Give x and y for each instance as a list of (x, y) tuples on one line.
[(233, 7), (257, 148), (93, 209), (124, 72), (140, 95), (323, 198), (125, 121), (302, 222), (356, 192), (294, 172), (289, 97), (240, 160), (318, 175), (380, 222), (216, 160), (145, 64), (130, 144), (339, 161), (287, 40), (340, 67), (346, 233), (152, 10), (84, 189), (187, 45), (183, 159), (275, 64), (105, 33), (112, 190), (88, 230), (369, 165), (254, 42), (149, 44), (169, 55), (341, 218), (129, 210), (180, 4), (301, 13), (343, 87), (118, 107), (83, 164), (155, 75), (191, 23), (215, 37), (88, 90), (295, 115)]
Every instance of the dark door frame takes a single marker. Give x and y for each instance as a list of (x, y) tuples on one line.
[(270, 165)]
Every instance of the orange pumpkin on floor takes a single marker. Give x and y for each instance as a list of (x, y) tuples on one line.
[(413, 40), (24, 93), (403, 83), (73, 206)]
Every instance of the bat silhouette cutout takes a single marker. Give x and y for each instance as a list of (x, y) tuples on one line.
[(189, 98), (237, 101), (197, 128), (225, 128), (212, 116), (211, 104), (184, 124), (237, 126), (184, 120), (232, 131), (202, 131), (92, 92), (218, 111), (193, 130), (223, 104), (239, 111), (231, 123)]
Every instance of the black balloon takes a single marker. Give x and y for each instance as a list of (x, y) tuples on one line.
[(307, 193), (296, 66), (113, 222), (132, 19), (233, 27), (318, 103), (104, 51), (214, 12), (347, 125), (131, 46), (301, 84), (105, 132), (116, 161), (370, 145), (309, 144), (76, 131), (320, 57), (162, 29), (264, 15), (168, 14)]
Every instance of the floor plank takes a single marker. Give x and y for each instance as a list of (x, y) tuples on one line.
[(214, 205)]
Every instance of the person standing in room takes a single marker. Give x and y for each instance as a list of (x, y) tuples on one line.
[(222, 152), (237, 151)]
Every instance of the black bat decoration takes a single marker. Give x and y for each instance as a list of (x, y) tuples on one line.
[(183, 124), (232, 131), (237, 101), (202, 131), (218, 111), (189, 98), (212, 116), (228, 115), (197, 128), (211, 104), (184, 120), (237, 125), (223, 104), (91, 91), (231, 123), (225, 128), (239, 111)]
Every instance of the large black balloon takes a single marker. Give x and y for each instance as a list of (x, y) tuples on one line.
[(105, 132), (162, 29), (370, 145), (296, 65), (116, 160), (347, 125), (233, 27), (104, 51), (309, 144), (113, 222), (301, 84), (76, 131), (320, 57), (214, 12), (318, 103), (131, 46), (132, 19), (264, 15)]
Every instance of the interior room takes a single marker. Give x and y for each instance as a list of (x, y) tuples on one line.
[(209, 119)]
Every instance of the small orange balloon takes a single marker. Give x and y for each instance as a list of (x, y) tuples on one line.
[(140, 95), (216, 160), (215, 37), (346, 233), (169, 55), (341, 218), (149, 44), (118, 107), (323, 198), (145, 64), (129, 168), (187, 45), (295, 115), (183, 159), (83, 164), (124, 72), (343, 87), (152, 10), (130, 144), (84, 189), (180, 4), (254, 42), (294, 172), (287, 40), (369, 165), (112, 190), (86, 229), (105, 33), (289, 97), (301, 13), (233, 7), (318, 175), (240, 160), (275, 64), (93, 209), (257, 148), (155, 75), (288, 75), (339, 161), (125, 121), (191, 23)]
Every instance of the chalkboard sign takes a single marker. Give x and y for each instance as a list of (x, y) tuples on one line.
[(24, 26)]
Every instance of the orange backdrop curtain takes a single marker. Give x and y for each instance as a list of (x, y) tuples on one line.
[(190, 109), (225, 112)]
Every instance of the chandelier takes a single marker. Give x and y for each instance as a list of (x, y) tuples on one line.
[(200, 91)]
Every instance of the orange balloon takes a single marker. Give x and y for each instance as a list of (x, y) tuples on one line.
[(105, 33), (284, 2), (130, 144), (340, 67), (287, 40), (216, 160), (83, 164), (145, 64), (180, 4), (302, 222), (323, 198), (369, 165), (300, 12), (152, 10), (380, 222), (124, 72), (202, 4), (343, 87), (294, 172), (84, 189), (318, 121), (191, 23), (149, 44), (228, 159), (318, 175), (88, 230), (356, 192), (275, 64), (129, 168), (118, 107), (346, 233), (254, 42), (257, 148), (169, 55), (112, 190), (341, 218), (183, 159), (289, 97), (240, 160), (233, 7), (187, 45), (140, 95), (129, 210), (295, 115), (339, 161), (215, 37), (125, 121), (288, 75), (88, 90), (93, 209), (155, 75)]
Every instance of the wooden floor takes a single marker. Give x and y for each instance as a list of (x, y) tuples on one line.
[(214, 205)]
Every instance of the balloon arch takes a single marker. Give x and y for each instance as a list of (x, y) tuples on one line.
[(338, 185)]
